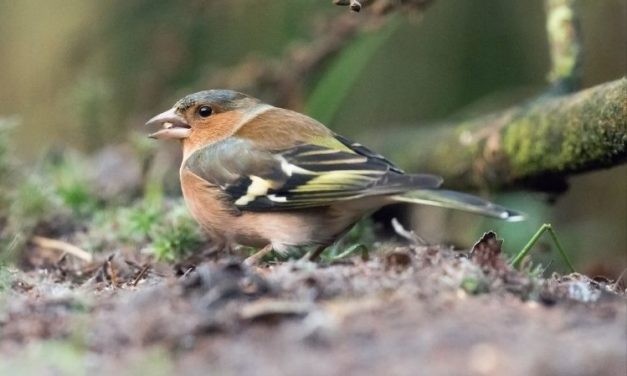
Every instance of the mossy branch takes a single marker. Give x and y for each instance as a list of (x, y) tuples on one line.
[(537, 144)]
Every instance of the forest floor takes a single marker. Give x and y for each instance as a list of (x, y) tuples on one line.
[(405, 310)]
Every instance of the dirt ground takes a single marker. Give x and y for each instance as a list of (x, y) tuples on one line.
[(407, 310)]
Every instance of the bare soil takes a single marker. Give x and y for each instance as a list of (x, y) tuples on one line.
[(408, 310)]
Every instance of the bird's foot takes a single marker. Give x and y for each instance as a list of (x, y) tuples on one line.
[(256, 258)]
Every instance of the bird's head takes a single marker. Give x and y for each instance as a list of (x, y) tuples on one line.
[(205, 117)]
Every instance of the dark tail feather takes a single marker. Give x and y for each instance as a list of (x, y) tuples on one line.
[(459, 201)]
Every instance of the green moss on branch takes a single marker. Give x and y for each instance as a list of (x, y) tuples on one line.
[(538, 143)]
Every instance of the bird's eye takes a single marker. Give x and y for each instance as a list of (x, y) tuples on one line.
[(205, 111)]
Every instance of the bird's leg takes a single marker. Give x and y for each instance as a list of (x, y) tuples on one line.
[(255, 258), (314, 254)]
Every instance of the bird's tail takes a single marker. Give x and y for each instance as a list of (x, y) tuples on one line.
[(459, 201)]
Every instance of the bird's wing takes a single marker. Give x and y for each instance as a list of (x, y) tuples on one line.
[(305, 175), (361, 149)]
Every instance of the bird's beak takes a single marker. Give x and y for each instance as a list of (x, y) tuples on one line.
[(174, 126)]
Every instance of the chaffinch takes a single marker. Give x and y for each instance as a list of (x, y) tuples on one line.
[(257, 175)]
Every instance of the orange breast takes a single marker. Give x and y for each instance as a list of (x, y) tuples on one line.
[(204, 203), (212, 211)]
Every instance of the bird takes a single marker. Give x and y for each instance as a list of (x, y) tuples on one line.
[(261, 176)]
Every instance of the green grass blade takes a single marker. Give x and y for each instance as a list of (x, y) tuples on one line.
[(534, 239)]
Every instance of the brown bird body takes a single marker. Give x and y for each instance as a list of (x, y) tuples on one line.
[(273, 129), (256, 175)]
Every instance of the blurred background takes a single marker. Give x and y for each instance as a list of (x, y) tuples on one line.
[(85, 75)]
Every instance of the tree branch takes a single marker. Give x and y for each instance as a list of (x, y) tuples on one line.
[(564, 33), (282, 81), (536, 145)]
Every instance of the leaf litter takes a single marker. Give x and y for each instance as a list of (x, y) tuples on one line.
[(407, 307)]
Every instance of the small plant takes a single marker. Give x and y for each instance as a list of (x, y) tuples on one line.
[(5, 277), (34, 203), (137, 222), (69, 179), (57, 189), (475, 285), (166, 228), (176, 236), (358, 239), (517, 260)]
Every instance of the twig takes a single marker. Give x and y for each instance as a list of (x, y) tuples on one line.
[(187, 272), (110, 269), (619, 279), (407, 234), (385, 6), (284, 78), (283, 81), (274, 307), (62, 246), (141, 274), (565, 47), (354, 5)]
